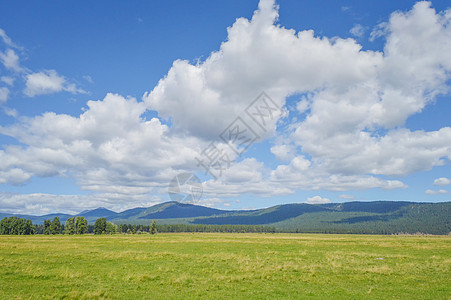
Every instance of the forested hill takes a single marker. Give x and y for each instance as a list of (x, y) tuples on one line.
[(379, 217)]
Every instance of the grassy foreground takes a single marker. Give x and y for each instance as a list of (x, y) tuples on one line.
[(219, 266)]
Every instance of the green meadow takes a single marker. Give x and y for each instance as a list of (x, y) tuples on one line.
[(225, 266)]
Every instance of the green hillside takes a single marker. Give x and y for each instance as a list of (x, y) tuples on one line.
[(412, 218), (376, 217)]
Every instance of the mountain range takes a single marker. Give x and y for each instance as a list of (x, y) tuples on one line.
[(379, 217)]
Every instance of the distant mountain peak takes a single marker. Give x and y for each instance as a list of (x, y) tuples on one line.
[(102, 208), (98, 212)]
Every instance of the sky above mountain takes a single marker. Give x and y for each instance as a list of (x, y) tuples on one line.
[(105, 103)]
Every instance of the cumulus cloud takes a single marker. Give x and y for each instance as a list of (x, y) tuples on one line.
[(108, 149), (436, 192), (283, 152), (258, 56), (246, 176), (317, 179), (355, 94), (14, 176), (317, 200), (48, 82), (342, 132), (442, 181)]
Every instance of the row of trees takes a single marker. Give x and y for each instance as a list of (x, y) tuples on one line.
[(16, 226), (76, 225), (73, 225), (215, 228), (133, 228), (79, 225), (53, 227), (154, 227), (101, 226)]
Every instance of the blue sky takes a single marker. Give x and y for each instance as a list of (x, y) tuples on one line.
[(102, 104)]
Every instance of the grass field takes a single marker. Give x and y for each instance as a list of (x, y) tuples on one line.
[(219, 266)]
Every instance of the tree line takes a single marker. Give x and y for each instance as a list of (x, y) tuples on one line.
[(79, 225), (16, 226), (154, 227), (215, 228), (19, 226), (73, 225)]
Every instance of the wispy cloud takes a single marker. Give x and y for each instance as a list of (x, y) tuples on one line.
[(357, 30), (88, 78), (8, 80), (436, 192), (7, 40), (379, 31), (4, 92)]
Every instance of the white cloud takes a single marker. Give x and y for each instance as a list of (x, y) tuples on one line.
[(302, 106), (398, 153), (108, 149), (355, 93), (202, 99), (14, 175), (42, 204), (212, 202), (8, 80), (342, 131), (284, 152), (378, 31), (10, 60), (39, 83), (246, 171), (10, 112), (317, 200), (442, 181), (48, 82), (357, 30), (246, 176), (4, 92), (318, 179), (439, 192)]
